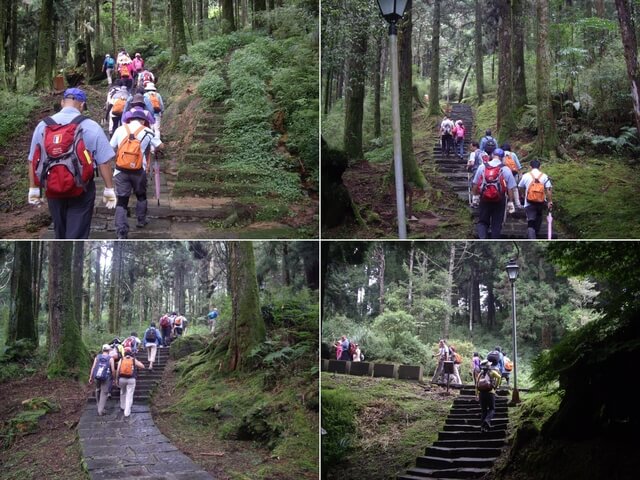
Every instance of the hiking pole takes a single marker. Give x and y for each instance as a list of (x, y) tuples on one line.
[(156, 175), (549, 226), (469, 187)]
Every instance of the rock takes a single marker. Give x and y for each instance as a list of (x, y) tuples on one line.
[(183, 346)]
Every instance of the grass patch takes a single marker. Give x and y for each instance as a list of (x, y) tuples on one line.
[(596, 198), (486, 116), (376, 427), (15, 109)]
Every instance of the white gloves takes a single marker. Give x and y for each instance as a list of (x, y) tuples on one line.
[(109, 197), (34, 196), (510, 207), (475, 200)]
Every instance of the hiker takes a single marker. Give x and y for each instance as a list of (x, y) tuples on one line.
[(113, 89), (165, 328), (156, 104), (443, 356), (508, 368), (497, 358), (137, 102), (338, 347), (118, 103), (126, 379), (151, 341), (125, 71), (133, 142), (475, 366), (488, 143), (512, 161), (457, 361), (212, 317), (344, 353), (101, 371), (493, 183), (137, 65), (535, 186), (356, 353), (486, 385), (476, 158), (179, 325), (108, 66), (145, 77), (446, 136), (132, 342), (63, 143), (122, 57), (458, 135)]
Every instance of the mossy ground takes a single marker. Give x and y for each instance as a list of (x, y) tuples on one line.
[(377, 427), (259, 433)]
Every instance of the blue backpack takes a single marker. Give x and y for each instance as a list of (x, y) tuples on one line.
[(111, 62), (102, 371)]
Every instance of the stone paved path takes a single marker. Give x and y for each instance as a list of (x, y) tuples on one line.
[(114, 447)]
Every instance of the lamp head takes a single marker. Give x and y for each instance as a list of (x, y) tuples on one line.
[(512, 270), (392, 10)]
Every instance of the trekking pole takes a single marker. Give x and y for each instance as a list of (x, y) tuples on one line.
[(156, 175), (549, 226), (469, 188)]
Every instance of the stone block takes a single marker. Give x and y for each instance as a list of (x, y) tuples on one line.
[(361, 368), (325, 365), (387, 370), (338, 366), (410, 372)]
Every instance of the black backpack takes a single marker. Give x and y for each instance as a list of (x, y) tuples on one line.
[(490, 145), (494, 357), (151, 335)]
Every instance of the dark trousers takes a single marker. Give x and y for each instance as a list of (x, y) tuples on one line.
[(488, 407), (128, 182), (166, 333), (490, 215), (447, 144), (72, 216), (534, 219)]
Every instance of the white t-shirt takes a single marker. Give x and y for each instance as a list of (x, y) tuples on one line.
[(527, 180), (146, 137)]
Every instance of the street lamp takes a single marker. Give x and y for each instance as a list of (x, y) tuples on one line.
[(512, 271), (392, 11)]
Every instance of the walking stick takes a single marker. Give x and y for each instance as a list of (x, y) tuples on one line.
[(469, 187), (549, 226), (156, 174)]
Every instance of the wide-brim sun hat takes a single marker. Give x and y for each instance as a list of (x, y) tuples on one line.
[(106, 347), (138, 115), (150, 86), (484, 363), (138, 100)]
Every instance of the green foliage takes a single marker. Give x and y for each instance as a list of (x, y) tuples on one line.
[(204, 57), (212, 87), (338, 421), (15, 110), (290, 21), (627, 142), (536, 408), (22, 349)]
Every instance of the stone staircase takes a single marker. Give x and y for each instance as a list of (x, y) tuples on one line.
[(462, 451), (454, 170), (146, 380)]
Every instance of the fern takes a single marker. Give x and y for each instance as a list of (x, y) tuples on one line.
[(626, 142)]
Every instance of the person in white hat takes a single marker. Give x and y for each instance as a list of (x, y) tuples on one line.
[(155, 100), (102, 371)]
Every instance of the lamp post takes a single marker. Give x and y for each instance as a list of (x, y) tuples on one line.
[(392, 11), (449, 65), (512, 271)]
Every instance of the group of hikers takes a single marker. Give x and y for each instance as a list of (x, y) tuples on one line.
[(118, 366), (68, 150), (347, 350), (497, 185)]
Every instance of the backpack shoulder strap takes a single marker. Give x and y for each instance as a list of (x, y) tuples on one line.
[(49, 121), (79, 119)]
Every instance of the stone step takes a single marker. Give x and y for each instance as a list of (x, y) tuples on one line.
[(474, 416), (473, 427), (448, 473), (474, 421), (467, 443), (451, 463), (472, 399), (476, 410), (444, 452), (478, 435)]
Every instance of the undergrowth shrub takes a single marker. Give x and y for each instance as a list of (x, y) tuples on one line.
[(212, 87), (15, 110), (338, 421)]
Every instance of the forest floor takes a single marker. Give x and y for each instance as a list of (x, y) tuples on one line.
[(392, 424), (53, 451), (433, 213), (224, 458)]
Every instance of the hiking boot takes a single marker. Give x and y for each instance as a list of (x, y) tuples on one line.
[(122, 236), (142, 223)]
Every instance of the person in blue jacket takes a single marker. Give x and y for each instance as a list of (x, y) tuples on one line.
[(152, 338), (107, 67)]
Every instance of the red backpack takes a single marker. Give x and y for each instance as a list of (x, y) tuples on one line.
[(164, 322), (61, 163), (492, 184)]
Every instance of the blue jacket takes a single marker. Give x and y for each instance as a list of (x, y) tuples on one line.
[(158, 337)]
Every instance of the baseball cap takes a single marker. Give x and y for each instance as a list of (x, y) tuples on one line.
[(498, 152), (76, 94)]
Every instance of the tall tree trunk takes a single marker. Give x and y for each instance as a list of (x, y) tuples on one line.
[(377, 87), (86, 293), (67, 352), (448, 292), (22, 321), (464, 82), (145, 13), (98, 47), (410, 274), (97, 289), (286, 273), (115, 290), (200, 18), (354, 98), (630, 44), (434, 86), (3, 23), (247, 327), (478, 52), (114, 31), (491, 305), (547, 138), (46, 47), (517, 48), (412, 173), (506, 116), (77, 281), (327, 90), (229, 24), (178, 38), (380, 260)]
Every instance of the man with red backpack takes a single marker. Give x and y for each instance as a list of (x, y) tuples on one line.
[(493, 184), (65, 150)]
